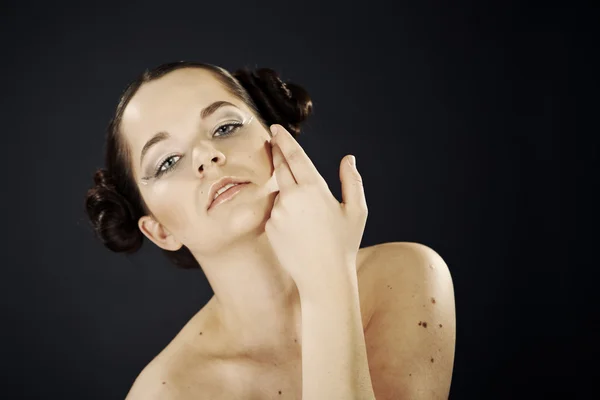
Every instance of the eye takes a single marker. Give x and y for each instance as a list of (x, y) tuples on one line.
[(160, 171), (228, 129), (168, 163)]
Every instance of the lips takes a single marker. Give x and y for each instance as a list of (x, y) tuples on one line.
[(214, 188)]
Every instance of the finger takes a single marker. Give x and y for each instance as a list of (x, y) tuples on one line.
[(285, 178), (353, 191), (298, 161), (270, 186)]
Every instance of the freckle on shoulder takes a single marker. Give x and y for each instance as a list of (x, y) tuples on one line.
[(152, 383)]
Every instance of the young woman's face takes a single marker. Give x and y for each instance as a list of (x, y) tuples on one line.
[(199, 147)]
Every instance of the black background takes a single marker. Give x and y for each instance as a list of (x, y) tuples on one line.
[(474, 127)]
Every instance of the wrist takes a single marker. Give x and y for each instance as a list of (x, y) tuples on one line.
[(327, 288)]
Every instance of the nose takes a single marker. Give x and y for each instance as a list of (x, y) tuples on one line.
[(206, 158)]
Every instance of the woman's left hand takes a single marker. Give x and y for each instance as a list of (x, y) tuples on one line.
[(315, 237)]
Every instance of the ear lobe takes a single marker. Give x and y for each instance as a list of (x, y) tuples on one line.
[(158, 234)]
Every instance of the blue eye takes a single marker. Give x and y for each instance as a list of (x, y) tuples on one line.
[(159, 171), (232, 127)]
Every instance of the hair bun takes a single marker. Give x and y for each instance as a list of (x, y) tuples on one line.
[(278, 102), (102, 178), (111, 215)]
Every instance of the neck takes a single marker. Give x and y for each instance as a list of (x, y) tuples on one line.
[(256, 301)]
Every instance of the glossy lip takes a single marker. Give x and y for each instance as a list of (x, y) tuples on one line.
[(214, 188)]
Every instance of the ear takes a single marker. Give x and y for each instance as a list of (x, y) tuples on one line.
[(157, 233)]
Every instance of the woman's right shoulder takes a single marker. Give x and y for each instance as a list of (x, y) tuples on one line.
[(173, 380), (151, 384), (181, 370)]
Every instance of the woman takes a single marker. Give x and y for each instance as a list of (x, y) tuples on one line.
[(205, 164)]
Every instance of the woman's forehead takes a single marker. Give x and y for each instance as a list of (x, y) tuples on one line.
[(172, 99), (191, 87)]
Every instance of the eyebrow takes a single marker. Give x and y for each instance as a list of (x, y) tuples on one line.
[(160, 136)]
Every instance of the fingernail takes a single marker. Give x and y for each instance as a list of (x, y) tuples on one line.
[(274, 130), (353, 161)]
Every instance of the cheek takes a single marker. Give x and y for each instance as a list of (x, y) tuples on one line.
[(259, 157), (166, 201)]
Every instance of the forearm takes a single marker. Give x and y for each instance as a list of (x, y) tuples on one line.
[(334, 355)]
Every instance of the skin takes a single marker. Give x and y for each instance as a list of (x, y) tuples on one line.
[(252, 292), (255, 314)]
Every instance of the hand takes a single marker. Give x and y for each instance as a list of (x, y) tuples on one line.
[(315, 237)]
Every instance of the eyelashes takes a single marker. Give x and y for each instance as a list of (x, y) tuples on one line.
[(235, 126), (159, 171)]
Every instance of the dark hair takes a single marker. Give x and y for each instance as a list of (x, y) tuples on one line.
[(114, 205)]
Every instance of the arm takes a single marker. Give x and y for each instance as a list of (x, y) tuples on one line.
[(334, 357), (411, 337)]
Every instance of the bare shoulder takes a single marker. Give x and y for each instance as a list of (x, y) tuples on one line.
[(413, 269), (181, 370), (150, 384), (410, 259), (178, 378), (412, 334)]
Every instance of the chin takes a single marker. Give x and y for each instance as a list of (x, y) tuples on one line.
[(233, 223), (235, 219)]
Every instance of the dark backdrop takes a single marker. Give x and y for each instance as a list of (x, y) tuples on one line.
[(473, 126)]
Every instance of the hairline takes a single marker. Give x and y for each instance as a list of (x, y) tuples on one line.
[(124, 149)]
